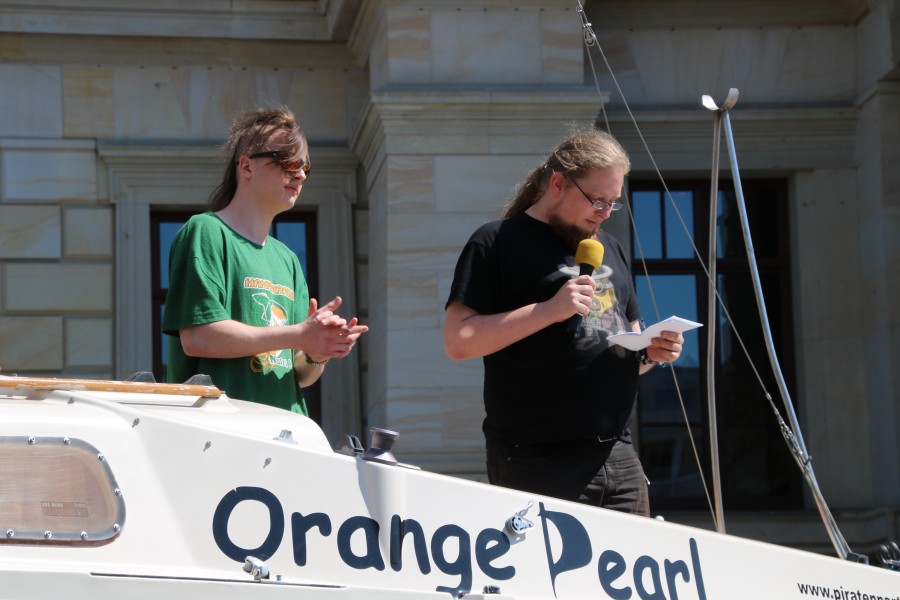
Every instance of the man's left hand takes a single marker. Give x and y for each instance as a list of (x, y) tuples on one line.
[(666, 348)]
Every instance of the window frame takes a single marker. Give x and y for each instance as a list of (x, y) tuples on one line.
[(174, 176)]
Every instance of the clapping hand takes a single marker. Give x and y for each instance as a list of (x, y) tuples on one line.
[(330, 335)]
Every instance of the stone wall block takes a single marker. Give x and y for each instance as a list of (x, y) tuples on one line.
[(422, 241), (30, 344), (492, 46), (479, 183), (408, 46), (463, 413), (88, 232), (879, 44), (41, 173), (413, 300), (411, 183), (416, 358), (88, 105), (40, 287), (319, 99), (31, 101), (845, 418), (452, 136), (150, 102), (30, 232), (827, 271), (775, 64), (89, 343), (361, 234), (562, 54), (199, 102), (416, 415), (357, 98)]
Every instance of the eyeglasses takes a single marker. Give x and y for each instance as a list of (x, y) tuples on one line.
[(284, 162), (598, 204)]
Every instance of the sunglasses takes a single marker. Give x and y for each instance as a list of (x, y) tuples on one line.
[(284, 161)]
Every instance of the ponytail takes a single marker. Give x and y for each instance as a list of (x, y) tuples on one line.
[(574, 157)]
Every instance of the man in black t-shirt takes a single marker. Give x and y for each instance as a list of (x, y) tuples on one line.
[(558, 404)]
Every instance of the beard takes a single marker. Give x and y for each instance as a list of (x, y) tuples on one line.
[(570, 234)]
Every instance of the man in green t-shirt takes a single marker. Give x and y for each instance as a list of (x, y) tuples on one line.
[(238, 307)]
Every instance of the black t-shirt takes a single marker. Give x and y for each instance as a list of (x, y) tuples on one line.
[(551, 385)]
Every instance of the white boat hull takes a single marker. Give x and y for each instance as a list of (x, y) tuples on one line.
[(205, 483)]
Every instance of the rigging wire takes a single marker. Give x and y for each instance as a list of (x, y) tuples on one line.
[(668, 194), (591, 41)]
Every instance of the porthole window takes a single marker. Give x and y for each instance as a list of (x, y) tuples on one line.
[(57, 490)]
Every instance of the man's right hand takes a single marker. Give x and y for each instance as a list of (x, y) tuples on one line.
[(470, 334), (575, 297)]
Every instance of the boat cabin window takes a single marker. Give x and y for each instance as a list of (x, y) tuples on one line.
[(57, 491)]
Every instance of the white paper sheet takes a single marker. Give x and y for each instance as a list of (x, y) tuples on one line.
[(637, 341)]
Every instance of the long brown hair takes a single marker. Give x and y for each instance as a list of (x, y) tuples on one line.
[(574, 157), (250, 132)]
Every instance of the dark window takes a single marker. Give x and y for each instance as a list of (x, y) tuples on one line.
[(296, 229), (757, 470)]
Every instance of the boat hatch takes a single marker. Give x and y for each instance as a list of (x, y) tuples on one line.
[(57, 490)]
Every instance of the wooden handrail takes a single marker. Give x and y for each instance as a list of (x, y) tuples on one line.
[(101, 385)]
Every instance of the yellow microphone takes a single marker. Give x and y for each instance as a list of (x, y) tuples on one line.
[(588, 256)]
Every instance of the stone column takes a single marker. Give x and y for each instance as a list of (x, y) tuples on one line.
[(464, 103), (878, 306)]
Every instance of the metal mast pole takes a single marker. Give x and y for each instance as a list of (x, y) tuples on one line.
[(711, 318), (792, 434)]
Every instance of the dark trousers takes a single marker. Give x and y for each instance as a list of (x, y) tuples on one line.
[(606, 474)]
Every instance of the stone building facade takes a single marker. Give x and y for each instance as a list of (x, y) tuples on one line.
[(422, 117)]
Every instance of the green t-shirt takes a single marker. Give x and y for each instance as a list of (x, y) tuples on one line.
[(216, 274)]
